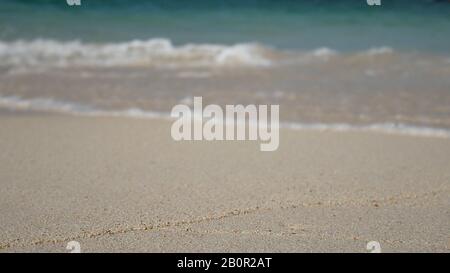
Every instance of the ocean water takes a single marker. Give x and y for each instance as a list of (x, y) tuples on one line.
[(294, 24), (328, 64)]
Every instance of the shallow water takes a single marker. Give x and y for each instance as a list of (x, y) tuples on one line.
[(326, 63)]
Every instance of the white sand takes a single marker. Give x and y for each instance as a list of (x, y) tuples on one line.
[(118, 184)]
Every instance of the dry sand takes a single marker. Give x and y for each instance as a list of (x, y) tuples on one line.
[(116, 184)]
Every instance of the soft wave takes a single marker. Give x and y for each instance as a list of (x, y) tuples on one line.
[(386, 128), (63, 107), (52, 105), (158, 52)]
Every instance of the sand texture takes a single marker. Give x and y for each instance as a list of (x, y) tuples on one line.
[(117, 184)]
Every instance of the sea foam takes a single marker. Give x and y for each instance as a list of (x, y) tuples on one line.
[(64, 107), (157, 52)]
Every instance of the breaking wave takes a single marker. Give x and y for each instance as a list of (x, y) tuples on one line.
[(158, 52)]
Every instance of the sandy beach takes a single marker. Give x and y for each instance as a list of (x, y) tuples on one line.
[(94, 96), (120, 184)]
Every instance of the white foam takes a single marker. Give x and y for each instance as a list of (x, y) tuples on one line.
[(323, 52), (57, 106), (153, 52), (378, 51), (42, 104), (22, 55), (52, 105), (386, 128)]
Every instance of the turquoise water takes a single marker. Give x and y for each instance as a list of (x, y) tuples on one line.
[(341, 25)]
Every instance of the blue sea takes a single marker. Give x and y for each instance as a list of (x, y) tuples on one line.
[(293, 24), (328, 64)]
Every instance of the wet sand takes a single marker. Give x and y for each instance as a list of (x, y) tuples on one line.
[(117, 184)]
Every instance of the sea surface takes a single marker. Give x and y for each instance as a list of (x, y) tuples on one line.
[(337, 65)]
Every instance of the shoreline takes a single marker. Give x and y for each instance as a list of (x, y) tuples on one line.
[(390, 128)]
